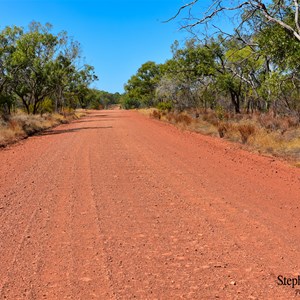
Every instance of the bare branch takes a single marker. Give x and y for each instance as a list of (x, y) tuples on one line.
[(240, 38), (297, 15), (180, 10), (214, 13), (254, 5), (268, 16)]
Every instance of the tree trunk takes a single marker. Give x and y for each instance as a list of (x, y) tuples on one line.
[(235, 101), (27, 107)]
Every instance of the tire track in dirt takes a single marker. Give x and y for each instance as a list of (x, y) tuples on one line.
[(44, 254), (19, 215), (91, 274), (32, 239)]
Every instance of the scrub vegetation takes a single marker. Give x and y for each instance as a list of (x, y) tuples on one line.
[(243, 85)]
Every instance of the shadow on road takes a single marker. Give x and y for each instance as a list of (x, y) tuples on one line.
[(97, 116), (53, 132), (105, 116), (92, 121)]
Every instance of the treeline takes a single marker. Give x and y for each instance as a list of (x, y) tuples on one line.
[(41, 71), (255, 69), (97, 99)]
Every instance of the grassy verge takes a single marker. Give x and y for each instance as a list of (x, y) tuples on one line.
[(264, 133), (20, 125)]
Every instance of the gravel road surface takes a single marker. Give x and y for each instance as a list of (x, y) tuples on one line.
[(119, 206)]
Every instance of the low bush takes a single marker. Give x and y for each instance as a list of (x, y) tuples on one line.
[(156, 114), (246, 130), (210, 117), (170, 117), (164, 106), (263, 132), (223, 128), (182, 118), (21, 125), (293, 121), (129, 103), (272, 123)]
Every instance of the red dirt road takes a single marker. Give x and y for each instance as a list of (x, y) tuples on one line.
[(119, 206)]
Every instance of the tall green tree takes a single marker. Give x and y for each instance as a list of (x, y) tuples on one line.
[(142, 85), (8, 40), (36, 64)]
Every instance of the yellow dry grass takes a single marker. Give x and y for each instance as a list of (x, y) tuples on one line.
[(284, 143), (146, 111), (21, 125)]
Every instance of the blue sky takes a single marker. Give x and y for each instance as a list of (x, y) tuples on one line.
[(116, 36)]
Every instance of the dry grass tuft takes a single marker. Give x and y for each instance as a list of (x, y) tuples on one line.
[(183, 118), (210, 117), (170, 117), (21, 125), (265, 133), (272, 123), (223, 128), (79, 113), (156, 114), (246, 130)]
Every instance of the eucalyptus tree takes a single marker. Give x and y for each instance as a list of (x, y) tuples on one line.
[(191, 68), (65, 65), (8, 38), (36, 64), (142, 85), (78, 87), (199, 73), (33, 58)]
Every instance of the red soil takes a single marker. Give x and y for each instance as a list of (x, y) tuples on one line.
[(119, 206)]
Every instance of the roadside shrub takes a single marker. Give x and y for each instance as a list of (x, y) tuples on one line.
[(292, 121), (220, 112), (228, 116), (129, 103), (238, 117), (223, 128), (164, 106), (47, 106), (156, 114), (270, 122), (181, 118), (246, 130), (13, 125), (211, 118), (170, 117)]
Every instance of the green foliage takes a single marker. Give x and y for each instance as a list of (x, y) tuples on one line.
[(130, 103), (36, 65), (7, 102), (101, 99), (47, 106), (164, 106), (278, 44), (142, 85), (220, 112)]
